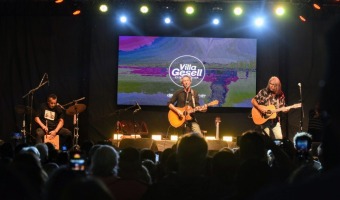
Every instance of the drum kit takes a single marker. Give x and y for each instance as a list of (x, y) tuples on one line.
[(73, 110)]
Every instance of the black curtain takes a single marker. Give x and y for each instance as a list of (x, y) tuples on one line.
[(79, 54)]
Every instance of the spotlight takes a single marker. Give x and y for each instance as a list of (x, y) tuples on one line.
[(144, 9), (316, 6), (259, 22), (76, 11), (227, 138), (279, 11), (123, 19), (117, 136), (210, 138), (156, 137), (238, 11), (103, 8), (215, 21), (167, 20), (302, 18), (173, 137), (190, 10)]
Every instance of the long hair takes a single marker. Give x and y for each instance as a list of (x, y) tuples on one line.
[(277, 81)]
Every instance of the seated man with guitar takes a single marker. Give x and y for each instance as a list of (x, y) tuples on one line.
[(183, 105), (266, 104)]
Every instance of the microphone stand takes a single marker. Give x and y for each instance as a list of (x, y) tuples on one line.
[(75, 123), (30, 102), (302, 115)]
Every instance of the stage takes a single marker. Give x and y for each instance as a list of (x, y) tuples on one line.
[(160, 145)]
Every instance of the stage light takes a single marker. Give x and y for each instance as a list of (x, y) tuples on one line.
[(133, 136), (156, 137), (103, 8), (227, 138), (117, 136), (123, 19), (316, 6), (238, 11), (167, 20), (259, 21), (210, 138), (302, 18), (279, 11), (76, 11), (215, 21), (190, 10), (144, 9), (173, 137), (58, 1)]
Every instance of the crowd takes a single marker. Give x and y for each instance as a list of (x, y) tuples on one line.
[(257, 168)]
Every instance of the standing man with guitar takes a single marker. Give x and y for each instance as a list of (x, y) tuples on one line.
[(184, 102), (266, 99)]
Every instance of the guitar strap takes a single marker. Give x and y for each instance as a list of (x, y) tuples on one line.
[(193, 98), (186, 98)]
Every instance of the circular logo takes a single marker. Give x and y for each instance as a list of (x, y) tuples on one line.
[(187, 65)]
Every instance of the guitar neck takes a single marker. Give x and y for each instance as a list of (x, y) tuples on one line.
[(286, 107)]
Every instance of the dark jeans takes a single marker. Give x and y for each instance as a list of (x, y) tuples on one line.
[(65, 136)]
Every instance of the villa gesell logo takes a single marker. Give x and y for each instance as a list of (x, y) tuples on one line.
[(187, 65)]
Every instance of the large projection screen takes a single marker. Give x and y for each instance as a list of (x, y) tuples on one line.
[(150, 68)]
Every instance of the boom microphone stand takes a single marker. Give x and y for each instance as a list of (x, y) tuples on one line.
[(302, 110), (30, 95)]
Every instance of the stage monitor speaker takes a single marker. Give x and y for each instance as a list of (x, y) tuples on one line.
[(216, 145), (138, 143)]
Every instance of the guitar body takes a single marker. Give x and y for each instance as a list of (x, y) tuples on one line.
[(260, 118), (177, 121), (271, 113)]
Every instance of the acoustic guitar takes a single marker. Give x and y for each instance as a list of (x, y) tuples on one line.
[(177, 121), (271, 113)]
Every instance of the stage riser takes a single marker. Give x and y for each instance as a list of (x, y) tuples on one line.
[(160, 145)]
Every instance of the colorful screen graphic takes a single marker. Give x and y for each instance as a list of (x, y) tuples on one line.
[(150, 67)]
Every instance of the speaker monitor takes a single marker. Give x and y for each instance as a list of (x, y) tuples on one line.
[(216, 145), (138, 143)]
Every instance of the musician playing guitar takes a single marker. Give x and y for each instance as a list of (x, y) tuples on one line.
[(271, 96), (183, 102)]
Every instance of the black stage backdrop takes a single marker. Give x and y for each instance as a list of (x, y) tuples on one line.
[(79, 56)]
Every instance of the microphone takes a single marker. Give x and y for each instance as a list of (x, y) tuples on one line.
[(299, 84), (62, 107)]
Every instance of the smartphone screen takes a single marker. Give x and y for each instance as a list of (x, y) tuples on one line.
[(302, 145), (157, 158), (77, 162)]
